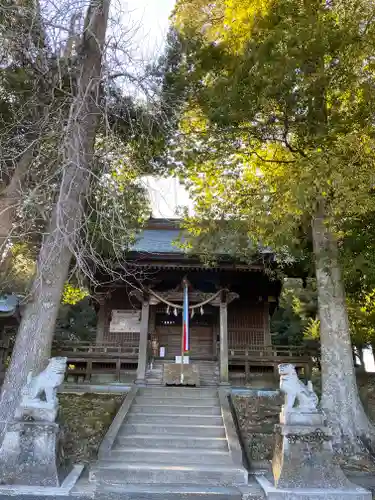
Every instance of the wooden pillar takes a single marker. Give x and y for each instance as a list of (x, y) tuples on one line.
[(224, 375), (102, 318), (266, 323), (143, 339)]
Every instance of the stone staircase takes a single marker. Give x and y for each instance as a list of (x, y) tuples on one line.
[(171, 439), (154, 373), (208, 373)]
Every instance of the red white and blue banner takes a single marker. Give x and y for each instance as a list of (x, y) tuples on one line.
[(185, 319)]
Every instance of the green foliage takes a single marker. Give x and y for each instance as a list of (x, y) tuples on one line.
[(362, 319), (312, 329), (277, 114), (276, 122), (20, 269), (357, 254), (76, 321), (73, 294), (293, 320), (118, 204)]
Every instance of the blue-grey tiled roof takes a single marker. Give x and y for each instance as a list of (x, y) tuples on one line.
[(157, 241)]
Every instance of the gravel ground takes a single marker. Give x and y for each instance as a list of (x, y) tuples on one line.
[(85, 419)]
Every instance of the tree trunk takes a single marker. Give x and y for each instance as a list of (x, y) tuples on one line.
[(34, 338), (340, 398)]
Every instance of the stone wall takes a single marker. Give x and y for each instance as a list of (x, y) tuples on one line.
[(258, 412)]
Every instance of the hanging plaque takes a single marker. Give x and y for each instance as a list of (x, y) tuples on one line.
[(125, 321)]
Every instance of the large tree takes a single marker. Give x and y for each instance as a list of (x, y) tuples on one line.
[(35, 94), (95, 149), (276, 132), (34, 338)]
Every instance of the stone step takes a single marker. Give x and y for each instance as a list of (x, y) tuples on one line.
[(169, 492), (158, 441), (176, 401), (182, 392), (139, 473), (173, 409), (172, 429), (151, 418), (169, 457)]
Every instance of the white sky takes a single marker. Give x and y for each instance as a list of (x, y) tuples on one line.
[(150, 18)]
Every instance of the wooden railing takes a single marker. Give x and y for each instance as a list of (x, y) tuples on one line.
[(272, 350), (86, 359), (89, 349), (271, 356)]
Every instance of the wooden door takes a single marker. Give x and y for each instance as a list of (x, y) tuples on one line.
[(169, 337), (201, 341)]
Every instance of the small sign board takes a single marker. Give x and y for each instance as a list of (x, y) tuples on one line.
[(185, 362), (162, 352), (125, 321)]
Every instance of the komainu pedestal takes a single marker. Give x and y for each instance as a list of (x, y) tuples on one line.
[(29, 452), (303, 457), (303, 465)]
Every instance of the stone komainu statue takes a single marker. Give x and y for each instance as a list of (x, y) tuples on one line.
[(295, 390), (45, 382)]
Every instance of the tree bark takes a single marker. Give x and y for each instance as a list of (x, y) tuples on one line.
[(340, 398), (34, 338)]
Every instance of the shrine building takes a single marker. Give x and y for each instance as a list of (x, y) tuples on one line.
[(229, 309)]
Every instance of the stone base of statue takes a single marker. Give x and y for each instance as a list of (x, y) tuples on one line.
[(37, 410), (28, 455), (302, 464)]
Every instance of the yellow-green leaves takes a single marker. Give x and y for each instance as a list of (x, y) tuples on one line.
[(279, 111), (73, 294)]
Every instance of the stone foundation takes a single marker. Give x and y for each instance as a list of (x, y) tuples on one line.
[(28, 455)]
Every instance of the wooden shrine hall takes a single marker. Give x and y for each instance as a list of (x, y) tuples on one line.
[(140, 319)]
